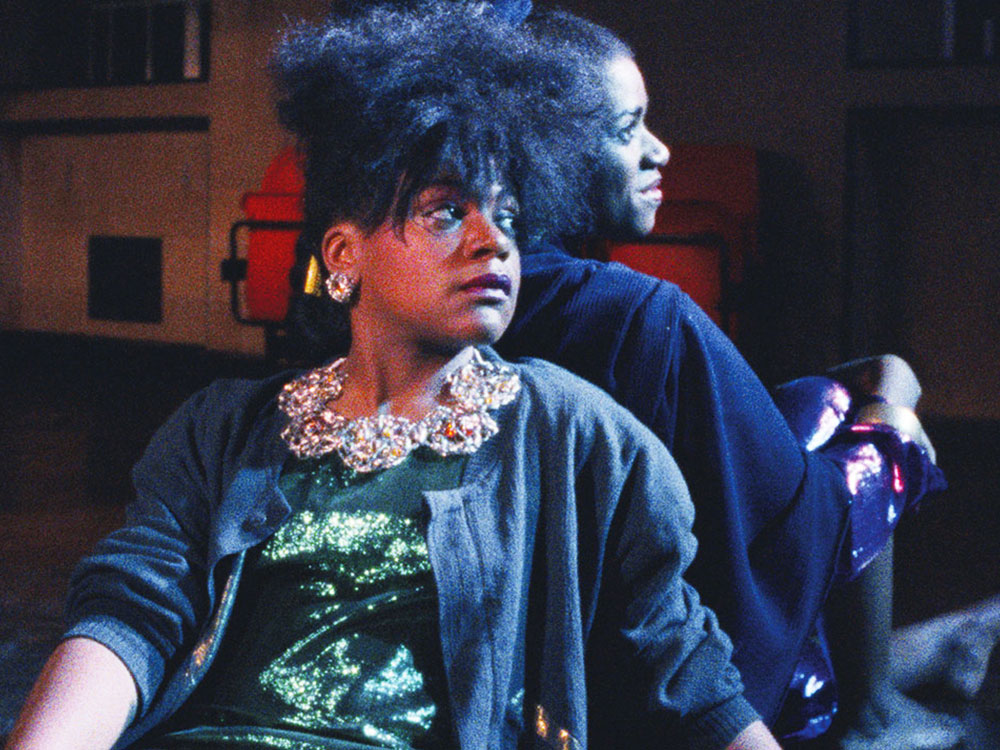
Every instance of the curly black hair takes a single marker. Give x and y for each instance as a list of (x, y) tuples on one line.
[(386, 99), (595, 44)]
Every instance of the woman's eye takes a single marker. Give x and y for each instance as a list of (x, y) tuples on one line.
[(626, 134), (506, 221), (444, 216)]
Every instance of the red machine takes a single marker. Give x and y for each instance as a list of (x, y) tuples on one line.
[(706, 231), (274, 219), (706, 228)]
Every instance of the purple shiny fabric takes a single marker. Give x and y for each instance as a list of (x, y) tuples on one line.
[(885, 471), (811, 702), (814, 407), (887, 474)]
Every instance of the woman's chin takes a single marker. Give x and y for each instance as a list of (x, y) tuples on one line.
[(455, 343), (487, 325)]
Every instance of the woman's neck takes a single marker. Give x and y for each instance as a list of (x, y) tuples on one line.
[(401, 381)]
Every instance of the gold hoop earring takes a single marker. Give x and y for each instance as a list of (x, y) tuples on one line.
[(340, 286)]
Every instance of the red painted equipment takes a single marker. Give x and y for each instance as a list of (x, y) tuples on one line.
[(706, 231), (274, 218), (706, 228)]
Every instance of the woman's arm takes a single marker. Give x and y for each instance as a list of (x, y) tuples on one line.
[(83, 699), (754, 737)]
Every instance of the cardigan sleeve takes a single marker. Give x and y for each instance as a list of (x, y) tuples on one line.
[(673, 642), (142, 592), (658, 663), (145, 591)]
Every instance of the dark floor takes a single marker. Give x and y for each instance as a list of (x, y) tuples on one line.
[(75, 414)]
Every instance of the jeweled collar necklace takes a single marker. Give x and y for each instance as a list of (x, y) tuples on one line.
[(459, 424)]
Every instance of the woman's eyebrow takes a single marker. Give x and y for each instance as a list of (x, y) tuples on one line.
[(451, 189), (631, 115)]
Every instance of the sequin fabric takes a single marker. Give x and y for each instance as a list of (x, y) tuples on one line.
[(458, 425), (337, 640), (812, 700)]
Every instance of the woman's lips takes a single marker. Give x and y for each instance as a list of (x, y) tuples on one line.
[(488, 284), (652, 192)]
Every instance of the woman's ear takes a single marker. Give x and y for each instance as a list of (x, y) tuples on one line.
[(341, 249)]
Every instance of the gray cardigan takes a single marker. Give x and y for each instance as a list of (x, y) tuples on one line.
[(564, 618)]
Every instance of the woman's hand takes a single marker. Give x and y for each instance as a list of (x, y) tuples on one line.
[(83, 700), (887, 377)]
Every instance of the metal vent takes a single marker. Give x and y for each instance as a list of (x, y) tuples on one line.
[(125, 279)]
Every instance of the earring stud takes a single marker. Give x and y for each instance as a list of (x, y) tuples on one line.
[(340, 286)]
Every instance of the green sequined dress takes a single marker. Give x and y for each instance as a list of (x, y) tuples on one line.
[(334, 642)]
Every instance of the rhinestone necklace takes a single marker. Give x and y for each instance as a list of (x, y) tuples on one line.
[(459, 423)]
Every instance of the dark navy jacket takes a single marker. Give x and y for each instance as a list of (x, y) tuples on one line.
[(564, 618), (770, 516)]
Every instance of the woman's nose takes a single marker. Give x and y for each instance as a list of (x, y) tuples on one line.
[(656, 154), (483, 236)]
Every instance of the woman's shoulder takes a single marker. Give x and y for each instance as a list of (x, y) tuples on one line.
[(566, 416), (232, 398), (590, 315), (218, 418), (568, 402), (244, 394), (602, 280), (548, 378)]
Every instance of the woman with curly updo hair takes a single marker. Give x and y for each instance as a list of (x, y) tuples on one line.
[(357, 111), (416, 544)]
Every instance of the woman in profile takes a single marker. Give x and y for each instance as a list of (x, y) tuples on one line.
[(416, 544), (787, 501)]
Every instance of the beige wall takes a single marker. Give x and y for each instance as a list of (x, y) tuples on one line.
[(769, 74), (184, 187), (141, 185)]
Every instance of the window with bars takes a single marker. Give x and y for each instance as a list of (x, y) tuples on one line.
[(103, 42), (147, 41)]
